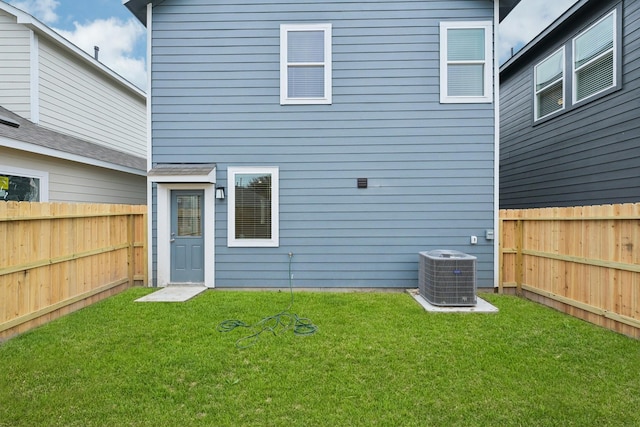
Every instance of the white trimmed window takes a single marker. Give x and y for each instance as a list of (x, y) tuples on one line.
[(305, 64), (466, 62), (549, 85), (253, 201), (594, 59), (23, 185)]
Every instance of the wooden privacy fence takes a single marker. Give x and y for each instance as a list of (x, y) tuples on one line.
[(56, 258), (581, 260)]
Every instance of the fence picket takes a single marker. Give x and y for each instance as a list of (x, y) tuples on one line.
[(582, 260), (59, 257)]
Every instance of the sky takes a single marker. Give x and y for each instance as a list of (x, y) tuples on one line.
[(107, 24), (121, 38), (526, 21)]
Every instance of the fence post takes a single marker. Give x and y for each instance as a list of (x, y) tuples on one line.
[(130, 254), (145, 248), (500, 254), (519, 267)]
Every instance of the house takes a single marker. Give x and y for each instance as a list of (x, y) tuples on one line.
[(71, 129), (38, 164), (341, 137), (569, 123)]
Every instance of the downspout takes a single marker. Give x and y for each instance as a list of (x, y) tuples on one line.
[(150, 230), (496, 150)]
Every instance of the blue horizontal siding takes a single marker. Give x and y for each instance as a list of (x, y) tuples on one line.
[(430, 167)]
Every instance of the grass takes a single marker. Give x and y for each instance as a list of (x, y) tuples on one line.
[(378, 359)]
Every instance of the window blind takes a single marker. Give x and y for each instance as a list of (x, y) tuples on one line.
[(550, 100), (465, 44), (550, 70), (594, 42), (305, 55), (549, 85), (466, 80), (253, 198), (594, 77), (594, 59), (189, 215), (465, 57)]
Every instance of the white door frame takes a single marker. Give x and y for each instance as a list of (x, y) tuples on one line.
[(164, 230)]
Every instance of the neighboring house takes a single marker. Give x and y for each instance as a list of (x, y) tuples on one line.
[(38, 164), (569, 121), (352, 135), (74, 129)]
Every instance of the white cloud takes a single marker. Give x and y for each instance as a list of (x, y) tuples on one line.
[(526, 21), (45, 10), (116, 40)]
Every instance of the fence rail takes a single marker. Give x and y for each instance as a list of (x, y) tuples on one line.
[(583, 260), (56, 258)]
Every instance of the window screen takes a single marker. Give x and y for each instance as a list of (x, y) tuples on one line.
[(305, 52), (594, 57), (465, 48), (549, 85)]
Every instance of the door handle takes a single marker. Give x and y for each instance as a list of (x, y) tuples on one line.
[(173, 238)]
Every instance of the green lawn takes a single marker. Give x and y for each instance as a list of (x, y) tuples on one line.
[(378, 359)]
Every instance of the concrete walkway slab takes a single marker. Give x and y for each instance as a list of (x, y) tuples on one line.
[(176, 293)]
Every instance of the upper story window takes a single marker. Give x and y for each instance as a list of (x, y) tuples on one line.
[(594, 64), (305, 64), (549, 85), (466, 62), (253, 213), (585, 68)]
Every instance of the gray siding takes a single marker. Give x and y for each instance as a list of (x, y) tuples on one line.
[(77, 100), (15, 69), (215, 98), (77, 182), (587, 155)]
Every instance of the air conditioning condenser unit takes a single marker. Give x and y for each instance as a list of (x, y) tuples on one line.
[(447, 278)]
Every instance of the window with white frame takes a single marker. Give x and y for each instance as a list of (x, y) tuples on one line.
[(594, 59), (549, 85), (253, 200), (305, 64), (466, 62), (23, 185)]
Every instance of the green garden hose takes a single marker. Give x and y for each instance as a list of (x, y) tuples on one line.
[(279, 322)]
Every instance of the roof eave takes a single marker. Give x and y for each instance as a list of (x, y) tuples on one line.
[(506, 6), (138, 8)]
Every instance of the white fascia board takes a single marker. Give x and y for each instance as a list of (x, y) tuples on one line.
[(496, 150), (50, 152), (172, 179), (149, 111)]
